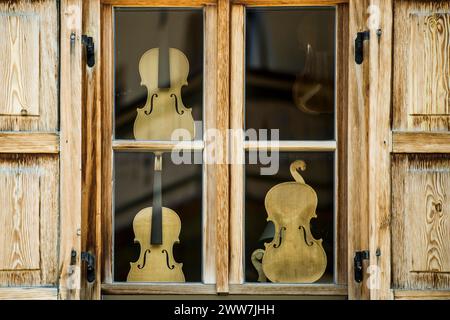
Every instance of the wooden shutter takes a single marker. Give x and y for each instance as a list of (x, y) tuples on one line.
[(399, 116)]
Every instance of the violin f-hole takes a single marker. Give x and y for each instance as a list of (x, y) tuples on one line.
[(167, 260), (277, 245), (304, 235), (141, 266), (151, 104), (173, 95)]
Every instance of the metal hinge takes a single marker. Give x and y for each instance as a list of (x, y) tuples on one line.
[(358, 264), (359, 44), (89, 258), (90, 50)]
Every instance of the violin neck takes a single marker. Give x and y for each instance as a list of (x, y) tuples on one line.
[(156, 225)]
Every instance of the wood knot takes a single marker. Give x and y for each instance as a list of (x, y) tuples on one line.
[(438, 207), (23, 112)]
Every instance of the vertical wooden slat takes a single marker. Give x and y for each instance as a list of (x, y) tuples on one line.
[(237, 145), (379, 152), (209, 198), (91, 205), (222, 122), (70, 158), (358, 112), (107, 109)]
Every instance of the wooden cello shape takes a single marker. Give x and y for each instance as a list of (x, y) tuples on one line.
[(164, 72), (156, 229), (293, 256)]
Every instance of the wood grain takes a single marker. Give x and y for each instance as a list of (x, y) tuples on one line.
[(71, 148), (379, 196), (421, 295), (29, 66), (422, 66), (160, 289), (289, 289), (421, 142), (209, 172), (29, 216), (29, 142), (19, 69), (357, 188), (91, 152), (160, 3), (420, 224), (237, 145), (279, 3), (222, 124), (33, 293)]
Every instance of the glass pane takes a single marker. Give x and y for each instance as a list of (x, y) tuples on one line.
[(181, 191), (290, 72), (297, 254), (158, 69)]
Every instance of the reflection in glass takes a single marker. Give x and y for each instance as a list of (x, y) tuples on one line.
[(319, 175), (142, 35), (290, 72), (133, 191)]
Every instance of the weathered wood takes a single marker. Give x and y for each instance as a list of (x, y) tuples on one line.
[(222, 124), (161, 289), (289, 289), (71, 148), (421, 100), (421, 142), (133, 145), (209, 172), (107, 49), (420, 224), (421, 295), (29, 142), (29, 66), (29, 219), (160, 3), (237, 145), (28, 293), (379, 196), (279, 3), (358, 170), (91, 152)]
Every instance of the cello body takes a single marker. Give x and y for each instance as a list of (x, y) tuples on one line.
[(156, 262), (293, 256), (164, 111)]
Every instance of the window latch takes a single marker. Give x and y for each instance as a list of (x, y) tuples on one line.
[(89, 258), (90, 50), (360, 256)]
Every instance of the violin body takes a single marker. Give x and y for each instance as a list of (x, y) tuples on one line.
[(164, 110), (293, 256), (156, 262)]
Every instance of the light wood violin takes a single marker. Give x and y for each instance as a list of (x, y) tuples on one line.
[(156, 229), (293, 256)]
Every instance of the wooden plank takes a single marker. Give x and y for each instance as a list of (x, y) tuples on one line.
[(358, 188), (71, 148), (160, 3), (421, 295), (133, 145), (237, 145), (421, 142), (29, 215), (107, 91), (379, 196), (160, 289), (28, 293), (288, 289), (280, 3), (29, 142), (91, 152), (222, 123), (209, 172), (284, 146), (342, 148), (35, 84)]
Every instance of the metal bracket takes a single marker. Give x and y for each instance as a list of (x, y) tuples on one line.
[(359, 45), (90, 50), (90, 260), (358, 264)]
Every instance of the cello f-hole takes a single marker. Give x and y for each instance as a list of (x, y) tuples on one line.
[(151, 104), (304, 235), (141, 266), (167, 260), (277, 245), (180, 112)]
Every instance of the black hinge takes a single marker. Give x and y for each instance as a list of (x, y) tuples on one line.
[(359, 44), (89, 258), (90, 50), (358, 264)]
